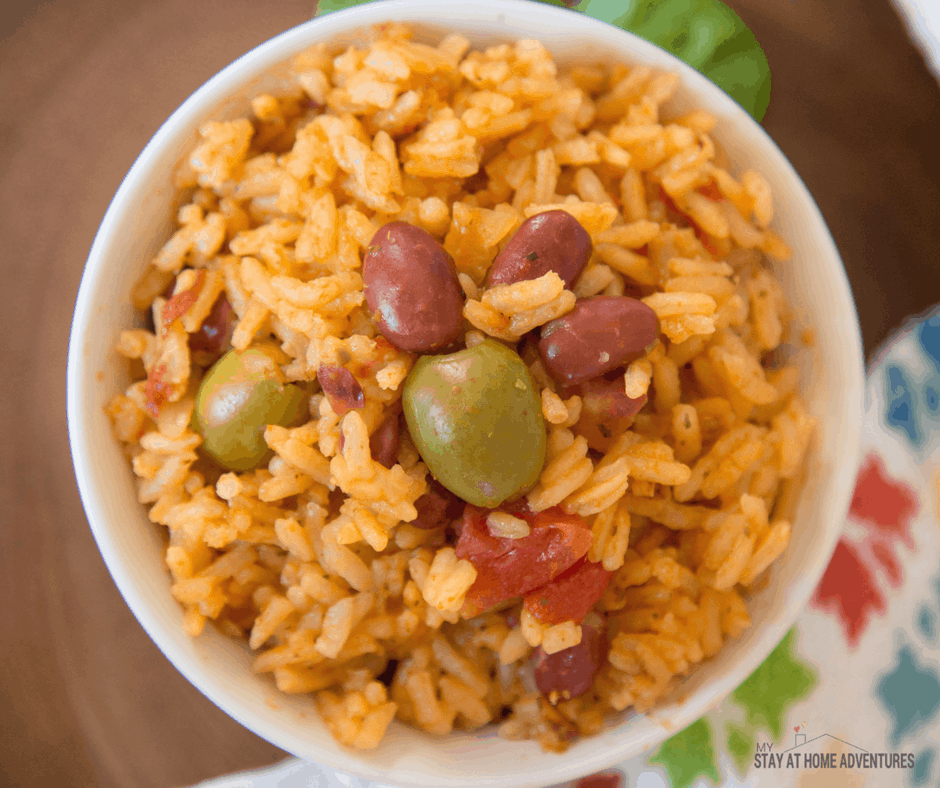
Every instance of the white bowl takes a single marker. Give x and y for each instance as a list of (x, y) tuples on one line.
[(140, 219)]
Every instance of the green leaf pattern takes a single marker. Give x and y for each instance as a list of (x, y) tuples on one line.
[(765, 697), (688, 755)]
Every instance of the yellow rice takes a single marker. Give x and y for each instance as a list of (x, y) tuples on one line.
[(311, 559)]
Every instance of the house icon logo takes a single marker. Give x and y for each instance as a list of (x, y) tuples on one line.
[(800, 740), (827, 751)]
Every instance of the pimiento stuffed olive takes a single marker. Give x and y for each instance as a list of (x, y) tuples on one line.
[(243, 393), (476, 419)]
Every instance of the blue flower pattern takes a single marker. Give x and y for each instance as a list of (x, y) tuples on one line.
[(910, 690), (911, 384)]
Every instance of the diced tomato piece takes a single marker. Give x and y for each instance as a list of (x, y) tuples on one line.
[(156, 391), (182, 302), (571, 595), (508, 568)]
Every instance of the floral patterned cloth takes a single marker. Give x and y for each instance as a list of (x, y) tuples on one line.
[(851, 696)]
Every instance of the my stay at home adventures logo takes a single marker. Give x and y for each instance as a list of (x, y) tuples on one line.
[(827, 751)]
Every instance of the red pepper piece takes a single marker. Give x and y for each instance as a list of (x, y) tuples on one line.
[(182, 302), (156, 391), (508, 568), (571, 595)]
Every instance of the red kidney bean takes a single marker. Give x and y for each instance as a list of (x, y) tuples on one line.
[(573, 669), (598, 335), (606, 399), (437, 507), (550, 241), (411, 288), (214, 336), (386, 440), (341, 388)]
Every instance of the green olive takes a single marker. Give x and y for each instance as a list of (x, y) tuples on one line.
[(243, 393), (476, 418)]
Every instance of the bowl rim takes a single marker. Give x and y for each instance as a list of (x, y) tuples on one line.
[(187, 116)]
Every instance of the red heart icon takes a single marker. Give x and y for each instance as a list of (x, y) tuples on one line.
[(796, 728)]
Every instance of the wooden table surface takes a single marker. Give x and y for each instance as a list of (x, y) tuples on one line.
[(85, 698)]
